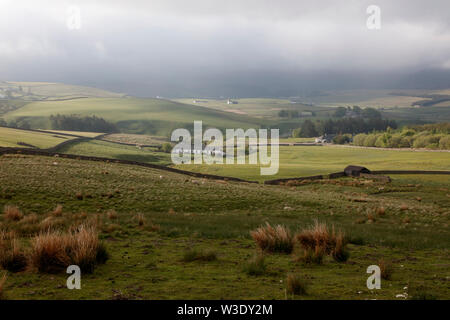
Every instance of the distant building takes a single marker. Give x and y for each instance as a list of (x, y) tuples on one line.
[(355, 171), (231, 102), (326, 138)]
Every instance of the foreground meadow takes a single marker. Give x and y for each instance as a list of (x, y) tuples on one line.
[(301, 161), (170, 236)]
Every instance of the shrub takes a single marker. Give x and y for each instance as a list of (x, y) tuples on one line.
[(166, 147), (382, 140), (296, 285), (52, 252), (385, 269), (273, 239), (194, 255), (444, 143), (341, 139), (359, 139), (12, 213), (256, 266), (12, 258), (426, 141), (370, 140)]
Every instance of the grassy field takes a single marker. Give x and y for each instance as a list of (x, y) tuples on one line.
[(258, 107), (369, 98), (138, 139), (178, 213), (298, 161), (107, 149), (12, 137), (133, 115), (419, 115)]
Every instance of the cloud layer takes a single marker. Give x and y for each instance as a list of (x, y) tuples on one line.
[(240, 48)]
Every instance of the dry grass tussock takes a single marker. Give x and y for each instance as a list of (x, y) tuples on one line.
[(320, 240), (57, 212), (273, 239), (53, 251), (296, 285), (12, 257), (12, 213)]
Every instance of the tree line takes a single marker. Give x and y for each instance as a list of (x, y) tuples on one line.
[(310, 129), (79, 123), (430, 136)]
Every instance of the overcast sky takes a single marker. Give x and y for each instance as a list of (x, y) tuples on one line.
[(230, 48)]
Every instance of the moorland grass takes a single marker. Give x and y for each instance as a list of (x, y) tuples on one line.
[(145, 262)]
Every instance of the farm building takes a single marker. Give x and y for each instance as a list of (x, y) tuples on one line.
[(355, 171), (231, 102), (327, 138)]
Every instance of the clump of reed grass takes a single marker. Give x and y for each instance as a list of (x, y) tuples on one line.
[(13, 258), (386, 269), (296, 284), (256, 266), (319, 240), (12, 213), (273, 239), (53, 251)]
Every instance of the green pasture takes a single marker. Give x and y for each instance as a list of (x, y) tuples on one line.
[(134, 115), (98, 148), (298, 161), (10, 137)]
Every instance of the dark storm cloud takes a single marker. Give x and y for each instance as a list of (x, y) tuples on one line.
[(240, 48)]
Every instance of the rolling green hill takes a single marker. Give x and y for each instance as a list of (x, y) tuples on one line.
[(51, 91), (133, 115)]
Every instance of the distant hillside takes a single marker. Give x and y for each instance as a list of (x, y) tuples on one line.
[(132, 115), (50, 91)]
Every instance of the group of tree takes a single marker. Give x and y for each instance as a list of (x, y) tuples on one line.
[(342, 126), (435, 136), (18, 123), (357, 112), (80, 123)]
